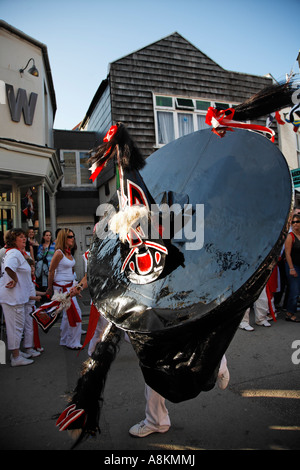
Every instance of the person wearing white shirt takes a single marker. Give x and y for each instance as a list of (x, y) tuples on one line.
[(15, 286)]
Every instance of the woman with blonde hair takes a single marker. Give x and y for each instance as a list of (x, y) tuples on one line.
[(61, 279)]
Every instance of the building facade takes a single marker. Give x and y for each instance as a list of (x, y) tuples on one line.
[(77, 199), (163, 91), (160, 92), (30, 170)]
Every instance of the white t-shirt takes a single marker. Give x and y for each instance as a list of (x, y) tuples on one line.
[(19, 294)]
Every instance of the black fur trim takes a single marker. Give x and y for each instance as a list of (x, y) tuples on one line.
[(90, 386), (270, 99)]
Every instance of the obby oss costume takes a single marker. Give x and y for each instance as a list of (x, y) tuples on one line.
[(186, 246)]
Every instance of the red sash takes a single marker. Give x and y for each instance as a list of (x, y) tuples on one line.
[(271, 288), (72, 313), (36, 337), (93, 320)]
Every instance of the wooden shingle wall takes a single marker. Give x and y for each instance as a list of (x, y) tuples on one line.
[(171, 66)]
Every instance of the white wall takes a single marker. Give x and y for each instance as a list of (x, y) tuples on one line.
[(14, 54), (287, 141)]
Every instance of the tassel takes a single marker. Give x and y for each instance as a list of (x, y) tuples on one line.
[(270, 99), (267, 101), (81, 417)]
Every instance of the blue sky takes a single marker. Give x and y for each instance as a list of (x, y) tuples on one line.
[(83, 37)]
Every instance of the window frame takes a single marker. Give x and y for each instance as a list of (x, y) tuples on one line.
[(77, 169), (176, 110)]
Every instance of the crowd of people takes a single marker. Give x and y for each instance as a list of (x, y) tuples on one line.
[(281, 293), (30, 272)]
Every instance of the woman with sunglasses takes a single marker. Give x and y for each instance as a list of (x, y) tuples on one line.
[(61, 279), (292, 256)]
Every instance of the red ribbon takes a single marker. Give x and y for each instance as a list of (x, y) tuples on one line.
[(96, 173), (271, 288), (219, 115), (93, 320), (278, 118), (36, 337), (72, 313), (220, 119)]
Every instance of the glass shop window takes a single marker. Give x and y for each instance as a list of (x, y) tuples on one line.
[(6, 194)]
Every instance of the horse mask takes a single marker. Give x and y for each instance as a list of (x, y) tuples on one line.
[(184, 248)]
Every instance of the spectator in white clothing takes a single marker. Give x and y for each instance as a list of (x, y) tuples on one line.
[(15, 287), (61, 279)]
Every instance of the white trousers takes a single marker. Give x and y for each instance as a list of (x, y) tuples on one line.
[(70, 336), (14, 320), (157, 416), (261, 309), (28, 341)]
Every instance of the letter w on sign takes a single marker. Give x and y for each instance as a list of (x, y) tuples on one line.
[(21, 103)]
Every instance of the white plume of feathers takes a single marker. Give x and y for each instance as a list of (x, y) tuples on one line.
[(122, 221)]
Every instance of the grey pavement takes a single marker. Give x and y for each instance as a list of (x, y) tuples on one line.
[(260, 409)]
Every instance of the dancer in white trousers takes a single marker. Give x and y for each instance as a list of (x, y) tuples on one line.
[(157, 416), (156, 413)]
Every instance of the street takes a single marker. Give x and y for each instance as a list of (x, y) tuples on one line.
[(260, 409)]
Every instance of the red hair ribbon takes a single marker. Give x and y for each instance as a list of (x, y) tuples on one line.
[(220, 120)]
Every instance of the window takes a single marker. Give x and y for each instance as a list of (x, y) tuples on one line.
[(84, 168), (76, 168), (185, 124), (7, 209), (178, 116), (70, 174), (6, 193), (184, 103), (165, 127)]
